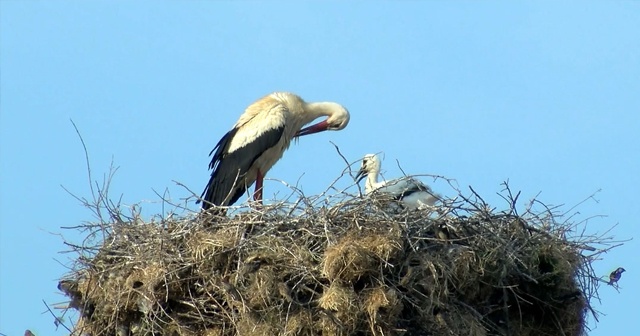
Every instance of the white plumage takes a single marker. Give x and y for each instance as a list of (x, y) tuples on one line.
[(258, 140), (408, 191)]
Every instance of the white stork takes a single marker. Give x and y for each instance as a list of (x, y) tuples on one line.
[(410, 192), (264, 131)]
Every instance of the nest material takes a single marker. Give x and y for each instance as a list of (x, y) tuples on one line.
[(349, 269)]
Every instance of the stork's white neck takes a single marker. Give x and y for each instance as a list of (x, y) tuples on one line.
[(304, 112), (319, 109), (337, 115), (372, 179)]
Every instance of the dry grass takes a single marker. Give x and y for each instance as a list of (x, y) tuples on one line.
[(335, 266)]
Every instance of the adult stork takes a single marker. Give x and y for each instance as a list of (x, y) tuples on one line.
[(408, 191), (264, 131)]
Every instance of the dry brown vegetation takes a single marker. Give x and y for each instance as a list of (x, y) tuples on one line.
[(335, 266)]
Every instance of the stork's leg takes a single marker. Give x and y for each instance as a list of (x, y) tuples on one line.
[(257, 195)]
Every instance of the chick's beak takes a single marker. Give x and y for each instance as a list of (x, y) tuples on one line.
[(362, 173)]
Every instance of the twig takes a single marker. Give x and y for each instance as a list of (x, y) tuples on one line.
[(58, 322)]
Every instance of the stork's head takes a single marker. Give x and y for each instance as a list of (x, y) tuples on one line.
[(337, 118), (370, 164)]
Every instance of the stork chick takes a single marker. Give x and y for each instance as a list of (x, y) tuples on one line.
[(410, 192)]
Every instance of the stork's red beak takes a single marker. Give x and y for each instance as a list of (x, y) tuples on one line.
[(319, 127)]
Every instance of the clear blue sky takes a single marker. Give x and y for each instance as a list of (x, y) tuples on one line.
[(542, 93)]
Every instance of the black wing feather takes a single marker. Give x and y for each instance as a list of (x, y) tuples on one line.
[(413, 188), (416, 187), (226, 184)]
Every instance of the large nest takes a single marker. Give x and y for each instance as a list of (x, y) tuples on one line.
[(350, 267)]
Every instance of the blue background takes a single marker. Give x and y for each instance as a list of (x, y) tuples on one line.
[(545, 94)]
